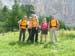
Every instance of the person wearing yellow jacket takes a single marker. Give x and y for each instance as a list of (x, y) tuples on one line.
[(22, 27), (34, 33), (53, 26)]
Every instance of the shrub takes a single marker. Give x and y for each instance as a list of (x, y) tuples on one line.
[(62, 24), (48, 18)]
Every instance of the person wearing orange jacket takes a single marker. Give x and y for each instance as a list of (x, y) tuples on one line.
[(22, 27), (35, 25), (29, 23), (53, 26)]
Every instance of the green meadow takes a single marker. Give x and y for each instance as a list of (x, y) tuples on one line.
[(9, 45)]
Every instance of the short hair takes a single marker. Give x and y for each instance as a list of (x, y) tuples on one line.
[(25, 17)]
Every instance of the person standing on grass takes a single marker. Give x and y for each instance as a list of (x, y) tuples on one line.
[(53, 26), (29, 28), (22, 27), (34, 33), (44, 28)]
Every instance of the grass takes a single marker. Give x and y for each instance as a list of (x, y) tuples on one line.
[(64, 47)]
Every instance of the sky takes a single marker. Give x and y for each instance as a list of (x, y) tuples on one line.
[(8, 3)]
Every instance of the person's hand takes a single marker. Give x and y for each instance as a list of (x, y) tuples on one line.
[(58, 27)]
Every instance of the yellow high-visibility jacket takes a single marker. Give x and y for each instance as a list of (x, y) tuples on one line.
[(23, 24)]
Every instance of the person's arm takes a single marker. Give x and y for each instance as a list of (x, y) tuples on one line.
[(26, 24), (19, 23), (48, 26), (37, 24), (58, 24), (41, 25)]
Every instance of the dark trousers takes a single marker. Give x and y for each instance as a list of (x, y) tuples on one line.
[(29, 37), (22, 33), (34, 34)]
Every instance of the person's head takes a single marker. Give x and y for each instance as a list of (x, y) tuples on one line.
[(33, 16), (30, 18), (44, 20), (24, 18), (53, 17)]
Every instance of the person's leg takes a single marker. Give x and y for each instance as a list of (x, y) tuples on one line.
[(41, 36), (20, 35), (36, 37), (55, 35), (51, 34), (45, 37), (46, 32), (29, 35), (32, 35), (24, 35)]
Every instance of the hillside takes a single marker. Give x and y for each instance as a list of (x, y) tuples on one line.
[(62, 9)]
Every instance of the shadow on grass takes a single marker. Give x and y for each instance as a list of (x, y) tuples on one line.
[(21, 44), (51, 45), (13, 43), (25, 44)]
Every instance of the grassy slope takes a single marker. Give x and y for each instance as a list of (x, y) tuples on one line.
[(10, 47)]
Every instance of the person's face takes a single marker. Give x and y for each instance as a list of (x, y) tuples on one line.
[(44, 21), (24, 18), (53, 17), (33, 16)]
